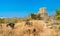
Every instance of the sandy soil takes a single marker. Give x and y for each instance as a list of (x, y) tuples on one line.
[(21, 29)]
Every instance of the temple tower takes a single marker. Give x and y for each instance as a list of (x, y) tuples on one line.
[(43, 13)]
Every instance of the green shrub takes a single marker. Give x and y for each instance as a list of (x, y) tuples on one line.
[(1, 20), (59, 27), (35, 16)]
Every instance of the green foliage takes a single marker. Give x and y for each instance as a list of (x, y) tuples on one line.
[(13, 21), (59, 27), (1, 20), (35, 16), (58, 14), (29, 19)]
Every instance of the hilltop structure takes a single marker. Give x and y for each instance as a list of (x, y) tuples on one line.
[(43, 13)]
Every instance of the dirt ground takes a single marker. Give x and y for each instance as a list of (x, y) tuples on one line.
[(21, 29)]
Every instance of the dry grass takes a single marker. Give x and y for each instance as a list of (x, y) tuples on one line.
[(21, 30)]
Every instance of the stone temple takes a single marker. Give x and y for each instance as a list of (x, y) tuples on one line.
[(43, 13)]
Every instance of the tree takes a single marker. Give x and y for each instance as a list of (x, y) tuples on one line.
[(58, 14), (35, 16), (38, 17)]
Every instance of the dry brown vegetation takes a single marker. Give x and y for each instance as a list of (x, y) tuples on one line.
[(22, 30)]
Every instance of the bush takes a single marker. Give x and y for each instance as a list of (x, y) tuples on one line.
[(1, 20), (59, 27), (13, 21), (58, 14), (35, 16)]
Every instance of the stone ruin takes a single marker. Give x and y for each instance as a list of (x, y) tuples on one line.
[(43, 13)]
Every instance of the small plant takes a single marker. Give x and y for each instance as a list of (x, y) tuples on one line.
[(35, 16), (59, 27), (1, 20)]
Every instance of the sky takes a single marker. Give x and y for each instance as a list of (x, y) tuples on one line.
[(22, 8)]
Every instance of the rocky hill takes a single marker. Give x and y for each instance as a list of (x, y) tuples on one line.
[(36, 28)]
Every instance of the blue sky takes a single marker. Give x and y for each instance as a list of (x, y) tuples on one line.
[(22, 8)]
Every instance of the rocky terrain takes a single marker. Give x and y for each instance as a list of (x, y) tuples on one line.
[(36, 28)]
